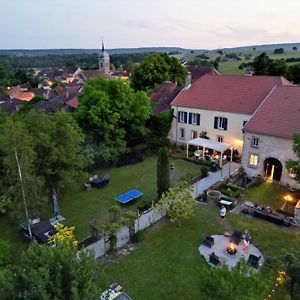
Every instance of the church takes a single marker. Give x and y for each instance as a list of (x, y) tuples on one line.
[(104, 62)]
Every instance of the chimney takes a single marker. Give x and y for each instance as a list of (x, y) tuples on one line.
[(188, 81)]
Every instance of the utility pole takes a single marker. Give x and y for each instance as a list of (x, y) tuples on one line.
[(22, 185)]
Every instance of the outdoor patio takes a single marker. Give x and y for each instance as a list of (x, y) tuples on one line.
[(219, 246)]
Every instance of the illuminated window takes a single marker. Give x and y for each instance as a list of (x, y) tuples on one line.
[(253, 160), (194, 134)]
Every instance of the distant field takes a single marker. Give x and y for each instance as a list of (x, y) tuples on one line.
[(232, 67)]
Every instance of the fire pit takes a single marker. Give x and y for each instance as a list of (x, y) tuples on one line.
[(231, 248)]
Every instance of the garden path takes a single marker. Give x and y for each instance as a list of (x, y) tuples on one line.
[(214, 177)]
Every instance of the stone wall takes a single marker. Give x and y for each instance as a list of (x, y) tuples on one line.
[(269, 146)]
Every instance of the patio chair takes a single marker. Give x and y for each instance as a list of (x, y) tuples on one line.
[(214, 259), (208, 241), (236, 237), (253, 260)]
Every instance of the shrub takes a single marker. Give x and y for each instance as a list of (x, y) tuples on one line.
[(5, 203), (204, 171), (138, 237)]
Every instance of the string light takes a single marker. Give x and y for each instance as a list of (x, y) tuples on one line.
[(281, 278)]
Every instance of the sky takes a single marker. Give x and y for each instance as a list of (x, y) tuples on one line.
[(195, 24)]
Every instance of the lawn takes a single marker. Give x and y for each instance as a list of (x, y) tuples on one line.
[(269, 194), (80, 206), (167, 264)]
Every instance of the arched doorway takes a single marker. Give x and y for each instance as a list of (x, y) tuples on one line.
[(272, 169)]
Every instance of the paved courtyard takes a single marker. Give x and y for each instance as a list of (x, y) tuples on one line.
[(231, 260)]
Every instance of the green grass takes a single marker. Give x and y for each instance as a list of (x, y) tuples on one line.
[(268, 194), (167, 264), (79, 206)]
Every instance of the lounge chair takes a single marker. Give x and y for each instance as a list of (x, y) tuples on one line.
[(208, 241), (253, 260), (214, 259)]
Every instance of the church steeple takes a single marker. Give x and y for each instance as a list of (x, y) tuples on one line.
[(104, 63)]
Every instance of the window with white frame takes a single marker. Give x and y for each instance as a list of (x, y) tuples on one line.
[(220, 123), (253, 160), (182, 118), (194, 134), (255, 142), (181, 133), (194, 119), (220, 138)]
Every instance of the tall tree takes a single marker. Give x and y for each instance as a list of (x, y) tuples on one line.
[(20, 181), (163, 171), (261, 64), (57, 273), (57, 141), (155, 69), (294, 165), (112, 113), (291, 264)]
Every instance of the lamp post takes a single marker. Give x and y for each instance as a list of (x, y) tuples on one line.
[(287, 199)]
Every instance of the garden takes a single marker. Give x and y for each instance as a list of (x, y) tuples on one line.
[(79, 206)]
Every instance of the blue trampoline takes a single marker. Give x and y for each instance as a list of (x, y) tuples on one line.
[(129, 196)]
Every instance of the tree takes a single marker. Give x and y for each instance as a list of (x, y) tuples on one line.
[(261, 64), (295, 48), (112, 113), (178, 202), (57, 141), (293, 73), (240, 283), (294, 165), (18, 150), (278, 51), (277, 67), (154, 70), (291, 263), (163, 171), (159, 127), (57, 273)]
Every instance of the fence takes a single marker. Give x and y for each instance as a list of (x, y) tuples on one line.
[(99, 245)]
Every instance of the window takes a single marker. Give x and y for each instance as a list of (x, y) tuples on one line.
[(220, 123), (182, 117), (254, 142), (181, 133), (194, 134), (253, 160), (220, 139), (194, 119)]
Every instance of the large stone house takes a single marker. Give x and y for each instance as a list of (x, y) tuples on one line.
[(268, 136), (220, 106)]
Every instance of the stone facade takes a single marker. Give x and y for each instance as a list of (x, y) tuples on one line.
[(267, 147)]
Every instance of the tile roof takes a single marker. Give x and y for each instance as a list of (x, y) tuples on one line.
[(17, 93), (279, 114), (198, 72), (11, 105), (163, 95), (228, 93), (73, 103)]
